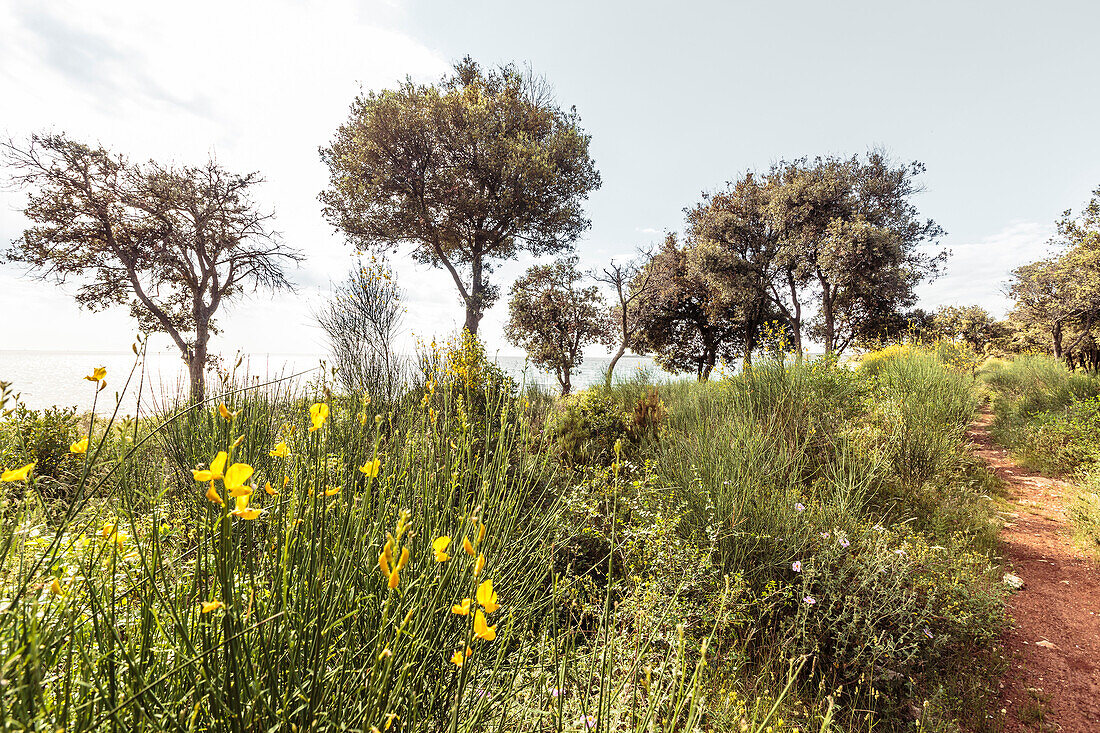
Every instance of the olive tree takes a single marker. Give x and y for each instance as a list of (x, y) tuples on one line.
[(461, 175)]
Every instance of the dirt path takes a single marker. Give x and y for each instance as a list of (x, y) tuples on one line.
[(1053, 681)]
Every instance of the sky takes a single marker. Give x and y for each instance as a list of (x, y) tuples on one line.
[(997, 99)]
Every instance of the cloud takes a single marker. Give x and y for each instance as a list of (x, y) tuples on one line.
[(977, 272), (259, 85)]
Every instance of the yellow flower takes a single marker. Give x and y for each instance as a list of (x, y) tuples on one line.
[(236, 475), (332, 491), (216, 467), (480, 532), (208, 606), (394, 579), (286, 480), (479, 565), (55, 587), (241, 490), (16, 474), (370, 468), (481, 629), (97, 374), (79, 447), (487, 597), (458, 659), (467, 547), (384, 563), (242, 509), (440, 547), (462, 609), (212, 495), (318, 413), (107, 531), (404, 558), (224, 412), (270, 491), (279, 451)]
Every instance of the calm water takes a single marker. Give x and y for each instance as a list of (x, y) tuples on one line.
[(48, 378)]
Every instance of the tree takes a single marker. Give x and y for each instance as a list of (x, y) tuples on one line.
[(173, 243), (852, 237), (687, 322), (361, 320), (553, 318), (462, 174), (734, 248), (631, 282), (971, 324)]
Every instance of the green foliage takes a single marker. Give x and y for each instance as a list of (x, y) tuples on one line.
[(585, 426), (42, 437), (463, 173), (553, 318)]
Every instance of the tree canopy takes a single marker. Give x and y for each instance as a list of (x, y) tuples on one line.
[(461, 175), (173, 243), (553, 317)]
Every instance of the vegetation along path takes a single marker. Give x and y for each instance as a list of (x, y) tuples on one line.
[(1053, 681)]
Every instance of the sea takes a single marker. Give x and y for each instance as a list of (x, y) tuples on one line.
[(56, 378)]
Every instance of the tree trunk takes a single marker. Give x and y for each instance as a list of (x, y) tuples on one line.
[(475, 304), (566, 385), (1056, 338), (196, 364), (614, 361)]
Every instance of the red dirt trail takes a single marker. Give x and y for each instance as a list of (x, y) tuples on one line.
[(1046, 688)]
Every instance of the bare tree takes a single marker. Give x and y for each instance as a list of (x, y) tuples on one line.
[(172, 243), (362, 320)]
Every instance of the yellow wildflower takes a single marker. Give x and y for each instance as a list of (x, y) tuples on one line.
[(480, 532), (384, 563), (216, 467), (462, 609), (440, 547), (236, 476), (318, 413), (242, 509), (332, 491), (279, 451), (97, 374), (107, 531), (208, 606), (404, 558), (270, 491), (479, 565), (241, 490), (79, 447), (394, 579), (370, 468), (212, 495), (467, 546), (487, 597), (16, 474), (224, 412), (481, 628), (458, 659), (55, 587)]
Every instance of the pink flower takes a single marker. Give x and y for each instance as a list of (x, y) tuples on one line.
[(824, 535), (796, 566), (844, 542), (798, 507), (809, 600), (589, 721)]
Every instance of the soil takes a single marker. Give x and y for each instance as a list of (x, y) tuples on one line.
[(1053, 646)]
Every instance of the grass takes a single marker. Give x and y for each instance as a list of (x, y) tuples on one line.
[(804, 546), (1049, 417)]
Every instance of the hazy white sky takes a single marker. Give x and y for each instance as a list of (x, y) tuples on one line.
[(997, 98)]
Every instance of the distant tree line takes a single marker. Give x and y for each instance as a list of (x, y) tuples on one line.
[(485, 165)]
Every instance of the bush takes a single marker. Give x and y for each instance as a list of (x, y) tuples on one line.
[(42, 437)]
